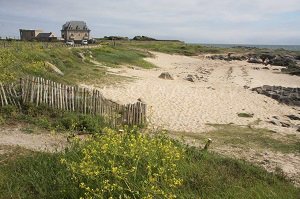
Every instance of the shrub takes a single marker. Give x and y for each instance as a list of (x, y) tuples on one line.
[(127, 166), (249, 115), (89, 123), (9, 111)]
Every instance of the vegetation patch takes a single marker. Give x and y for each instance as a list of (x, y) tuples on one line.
[(52, 119), (133, 165), (30, 58), (245, 137), (118, 55), (249, 115)]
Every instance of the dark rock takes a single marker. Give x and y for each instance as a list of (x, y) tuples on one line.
[(283, 124), (282, 61), (190, 78), (166, 75), (255, 60), (267, 56), (293, 117), (289, 96), (275, 122)]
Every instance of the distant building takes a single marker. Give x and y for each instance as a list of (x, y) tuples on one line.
[(75, 30), (29, 35), (46, 36), (37, 35)]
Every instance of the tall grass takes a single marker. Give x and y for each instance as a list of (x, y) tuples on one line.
[(52, 119), (28, 58)]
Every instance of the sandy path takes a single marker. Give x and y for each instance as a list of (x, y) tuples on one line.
[(14, 136), (216, 97)]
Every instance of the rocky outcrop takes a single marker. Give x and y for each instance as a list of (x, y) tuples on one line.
[(286, 95), (291, 63), (265, 58)]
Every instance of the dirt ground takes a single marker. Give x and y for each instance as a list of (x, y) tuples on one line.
[(40, 140)]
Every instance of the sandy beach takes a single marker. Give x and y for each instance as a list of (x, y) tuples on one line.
[(220, 91)]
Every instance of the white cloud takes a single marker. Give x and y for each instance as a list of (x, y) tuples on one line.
[(190, 19)]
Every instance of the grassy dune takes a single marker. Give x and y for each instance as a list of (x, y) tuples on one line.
[(26, 174), (23, 58)]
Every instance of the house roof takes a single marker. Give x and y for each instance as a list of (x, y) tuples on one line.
[(75, 25), (45, 35)]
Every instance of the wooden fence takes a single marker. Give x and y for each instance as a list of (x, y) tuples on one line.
[(36, 90)]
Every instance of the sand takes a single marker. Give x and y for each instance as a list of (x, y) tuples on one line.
[(217, 95)]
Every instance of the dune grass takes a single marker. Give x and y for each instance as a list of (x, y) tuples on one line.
[(246, 137), (27, 174), (49, 119), (115, 56), (28, 58), (170, 47)]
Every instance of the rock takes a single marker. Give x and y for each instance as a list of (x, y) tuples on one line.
[(293, 117), (140, 100), (286, 95), (166, 75), (255, 60), (278, 123), (190, 78), (266, 68), (282, 61), (267, 56), (275, 122), (283, 124)]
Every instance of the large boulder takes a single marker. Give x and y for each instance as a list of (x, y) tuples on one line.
[(166, 75)]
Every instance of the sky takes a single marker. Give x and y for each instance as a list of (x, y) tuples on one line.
[(193, 21)]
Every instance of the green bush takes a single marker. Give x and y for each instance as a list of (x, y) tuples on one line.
[(249, 115), (9, 111), (48, 118), (127, 166)]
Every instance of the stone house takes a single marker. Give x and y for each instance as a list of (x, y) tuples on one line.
[(75, 30), (46, 37), (36, 35), (29, 35)]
